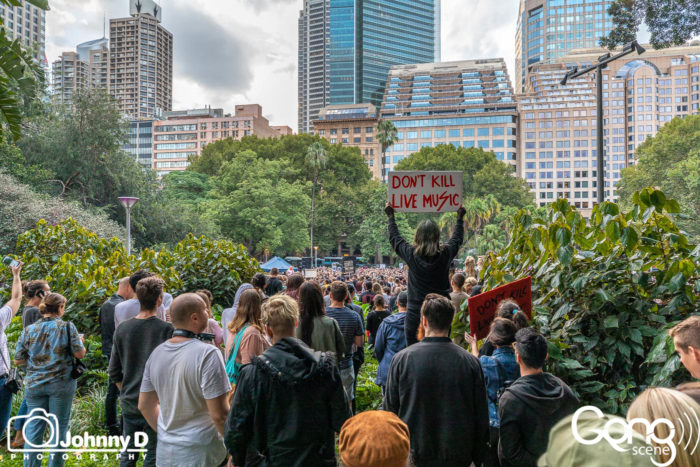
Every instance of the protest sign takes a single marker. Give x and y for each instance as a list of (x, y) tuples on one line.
[(425, 191), (348, 265), (310, 273), (482, 307)]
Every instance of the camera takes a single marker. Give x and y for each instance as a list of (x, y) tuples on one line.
[(37, 415)]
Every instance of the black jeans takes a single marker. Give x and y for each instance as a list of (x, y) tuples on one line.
[(410, 326), (132, 425), (111, 405)]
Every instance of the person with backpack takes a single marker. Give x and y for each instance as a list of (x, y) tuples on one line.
[(500, 370), (245, 339)]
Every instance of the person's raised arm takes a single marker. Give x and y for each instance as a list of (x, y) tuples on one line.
[(458, 236), (149, 405), (16, 297), (398, 243), (218, 410)]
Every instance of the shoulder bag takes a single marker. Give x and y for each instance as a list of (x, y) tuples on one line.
[(78, 367), (14, 380), (233, 369)]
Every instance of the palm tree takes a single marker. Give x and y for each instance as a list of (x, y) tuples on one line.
[(18, 71), (447, 222), (316, 158), (386, 136)]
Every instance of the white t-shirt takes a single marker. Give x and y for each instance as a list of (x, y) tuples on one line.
[(184, 376), (130, 308), (5, 318)]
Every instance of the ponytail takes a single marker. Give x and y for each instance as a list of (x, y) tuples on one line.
[(51, 304)]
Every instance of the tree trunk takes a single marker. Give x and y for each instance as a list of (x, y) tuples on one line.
[(313, 206)]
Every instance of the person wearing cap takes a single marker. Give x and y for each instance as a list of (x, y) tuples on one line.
[(438, 389), (564, 450), (532, 405), (374, 439), (390, 340)]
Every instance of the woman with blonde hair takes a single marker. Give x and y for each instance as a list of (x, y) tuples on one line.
[(680, 410), (245, 334), (469, 267)]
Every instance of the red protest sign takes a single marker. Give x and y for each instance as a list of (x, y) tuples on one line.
[(482, 307), (425, 191)]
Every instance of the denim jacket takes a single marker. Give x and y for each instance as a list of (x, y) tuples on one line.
[(509, 371)]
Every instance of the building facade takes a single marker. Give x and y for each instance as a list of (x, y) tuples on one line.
[(467, 104), (27, 23), (346, 48), (69, 75), (85, 69), (283, 130), (558, 122), (183, 134), (353, 125), (549, 29), (139, 142), (141, 63)]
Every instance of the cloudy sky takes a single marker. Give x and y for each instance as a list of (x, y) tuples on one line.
[(230, 52)]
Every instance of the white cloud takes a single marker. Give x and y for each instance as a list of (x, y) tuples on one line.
[(230, 52)]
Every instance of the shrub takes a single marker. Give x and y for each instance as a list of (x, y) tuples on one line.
[(604, 291), (368, 395)]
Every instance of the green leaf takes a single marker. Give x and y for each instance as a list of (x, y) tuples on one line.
[(612, 230), (658, 199), (570, 364), (564, 236), (565, 254), (672, 206), (611, 321)]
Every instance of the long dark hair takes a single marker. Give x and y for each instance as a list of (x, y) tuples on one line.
[(310, 306), (427, 239)]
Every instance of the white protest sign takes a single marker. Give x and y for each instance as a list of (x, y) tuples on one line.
[(425, 191)]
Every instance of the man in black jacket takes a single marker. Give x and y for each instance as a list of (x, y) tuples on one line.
[(532, 405), (438, 389), (274, 285), (289, 401), (428, 264), (124, 292)]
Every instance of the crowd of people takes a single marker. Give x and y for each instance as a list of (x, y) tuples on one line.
[(274, 382)]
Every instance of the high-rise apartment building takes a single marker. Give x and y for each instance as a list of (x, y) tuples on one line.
[(69, 76), (467, 104), (96, 54), (346, 48), (86, 69), (353, 125), (549, 29), (141, 62), (27, 23), (558, 123), (183, 134)]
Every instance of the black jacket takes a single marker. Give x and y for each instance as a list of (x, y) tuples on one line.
[(528, 410), (273, 287), (288, 404), (426, 275), (438, 389), (107, 323)]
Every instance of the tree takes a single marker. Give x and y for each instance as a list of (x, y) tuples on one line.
[(387, 135), (20, 75), (254, 203), (669, 161), (316, 158), (483, 174), (670, 22)]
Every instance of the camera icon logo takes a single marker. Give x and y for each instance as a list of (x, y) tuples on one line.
[(37, 415)]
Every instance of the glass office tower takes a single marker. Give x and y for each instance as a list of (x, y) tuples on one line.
[(354, 45), (549, 29)]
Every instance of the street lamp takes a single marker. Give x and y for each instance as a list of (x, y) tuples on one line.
[(315, 257), (603, 61), (128, 202)]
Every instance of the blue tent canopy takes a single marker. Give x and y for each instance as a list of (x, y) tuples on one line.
[(276, 262)]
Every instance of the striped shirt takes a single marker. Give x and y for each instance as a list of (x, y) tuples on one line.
[(351, 326)]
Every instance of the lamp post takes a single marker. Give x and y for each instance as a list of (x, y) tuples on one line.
[(128, 202), (315, 257), (603, 61)]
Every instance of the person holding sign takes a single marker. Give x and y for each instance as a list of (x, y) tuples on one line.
[(428, 264)]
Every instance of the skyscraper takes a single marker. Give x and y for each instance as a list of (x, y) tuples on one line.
[(27, 23), (558, 122), (96, 54), (346, 48), (549, 29), (86, 69), (141, 62)]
